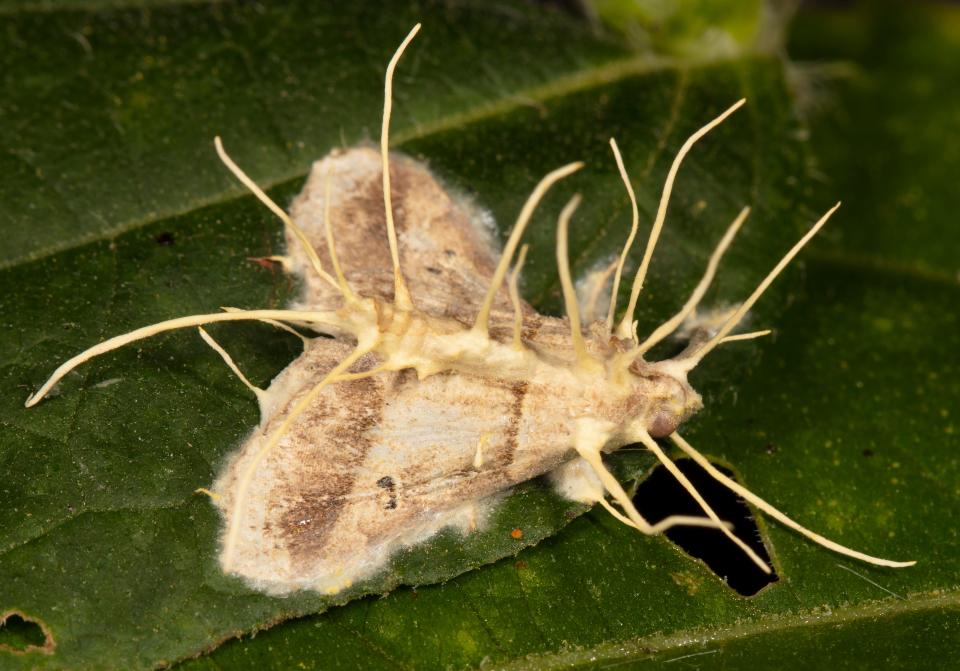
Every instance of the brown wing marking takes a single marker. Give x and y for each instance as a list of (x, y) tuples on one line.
[(446, 249)]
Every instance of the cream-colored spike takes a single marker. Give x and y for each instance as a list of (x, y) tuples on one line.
[(625, 328), (652, 445), (483, 316), (170, 325), (690, 362), (635, 223), (227, 359), (203, 490), (276, 209), (401, 294), (513, 286), (749, 496), (746, 336), (617, 515), (584, 360), (331, 245), (276, 324), (233, 529), (589, 442), (669, 326)]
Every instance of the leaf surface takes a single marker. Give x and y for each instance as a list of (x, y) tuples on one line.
[(118, 215)]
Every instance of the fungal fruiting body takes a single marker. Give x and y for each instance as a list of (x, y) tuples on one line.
[(441, 388)]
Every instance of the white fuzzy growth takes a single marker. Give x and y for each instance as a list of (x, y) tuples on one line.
[(706, 322), (593, 289), (577, 481)]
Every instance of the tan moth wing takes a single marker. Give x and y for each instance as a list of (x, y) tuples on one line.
[(384, 462), (446, 250), (375, 465)]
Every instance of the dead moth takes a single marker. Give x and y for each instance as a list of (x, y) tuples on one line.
[(441, 387)]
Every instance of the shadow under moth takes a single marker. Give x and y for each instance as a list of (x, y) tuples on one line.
[(441, 388)]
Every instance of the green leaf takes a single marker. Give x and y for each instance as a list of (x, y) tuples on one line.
[(101, 536)]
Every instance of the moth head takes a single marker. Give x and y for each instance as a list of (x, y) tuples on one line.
[(662, 398)]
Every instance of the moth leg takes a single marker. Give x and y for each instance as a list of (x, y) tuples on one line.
[(651, 444), (513, 286), (625, 328), (689, 362), (589, 443), (472, 518), (551, 178), (615, 290), (227, 359), (617, 515), (213, 495), (584, 360), (749, 496), (285, 261), (669, 326)]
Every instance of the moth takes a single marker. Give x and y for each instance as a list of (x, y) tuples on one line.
[(441, 388)]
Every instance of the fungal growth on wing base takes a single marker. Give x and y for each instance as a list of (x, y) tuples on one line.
[(441, 387)]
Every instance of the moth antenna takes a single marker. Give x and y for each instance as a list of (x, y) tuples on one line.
[(652, 445), (331, 246), (276, 209), (276, 324), (170, 325), (589, 443), (671, 324), (401, 293), (233, 529), (625, 329), (746, 336), (633, 234), (515, 298), (584, 360), (749, 496), (590, 304), (688, 363), (483, 316), (227, 359)]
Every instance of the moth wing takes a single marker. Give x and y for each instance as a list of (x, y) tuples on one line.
[(445, 243), (374, 466)]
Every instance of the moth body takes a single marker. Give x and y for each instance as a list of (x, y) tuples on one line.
[(379, 464)]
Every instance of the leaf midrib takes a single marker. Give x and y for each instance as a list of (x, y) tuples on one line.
[(577, 82), (647, 647)]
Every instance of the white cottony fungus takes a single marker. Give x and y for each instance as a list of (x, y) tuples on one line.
[(441, 388)]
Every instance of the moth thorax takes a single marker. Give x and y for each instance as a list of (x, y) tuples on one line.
[(666, 399)]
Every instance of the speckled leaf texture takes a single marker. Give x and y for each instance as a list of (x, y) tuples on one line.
[(116, 213)]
